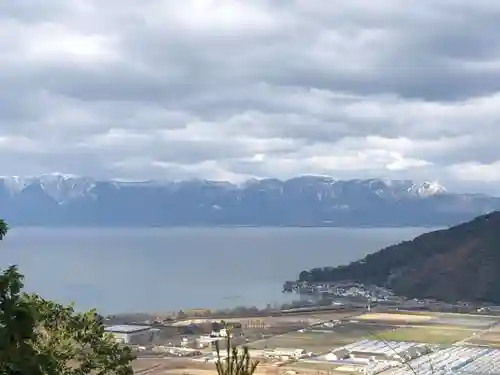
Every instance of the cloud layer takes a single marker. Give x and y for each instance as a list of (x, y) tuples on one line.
[(228, 89)]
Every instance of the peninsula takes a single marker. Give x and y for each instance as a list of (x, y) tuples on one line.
[(461, 263)]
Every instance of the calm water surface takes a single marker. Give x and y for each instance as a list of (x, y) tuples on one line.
[(119, 270)]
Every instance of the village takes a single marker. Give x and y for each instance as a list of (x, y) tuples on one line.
[(335, 342)]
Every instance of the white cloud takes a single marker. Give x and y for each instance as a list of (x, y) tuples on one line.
[(17, 143), (232, 89), (477, 172)]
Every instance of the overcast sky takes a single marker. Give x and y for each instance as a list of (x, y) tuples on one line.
[(228, 89)]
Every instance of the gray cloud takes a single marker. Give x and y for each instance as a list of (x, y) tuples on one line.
[(233, 89)]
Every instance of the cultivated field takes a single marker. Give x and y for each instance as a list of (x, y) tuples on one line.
[(150, 366), (432, 328), (163, 367), (466, 321), (315, 342), (384, 326), (306, 318), (488, 339), (429, 335), (313, 367), (395, 317)]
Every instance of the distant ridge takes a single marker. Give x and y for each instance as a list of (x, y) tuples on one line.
[(68, 200), (461, 263)]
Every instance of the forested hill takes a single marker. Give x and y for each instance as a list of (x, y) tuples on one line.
[(459, 263)]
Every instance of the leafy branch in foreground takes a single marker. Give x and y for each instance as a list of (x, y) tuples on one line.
[(3, 229), (41, 337), (235, 362)]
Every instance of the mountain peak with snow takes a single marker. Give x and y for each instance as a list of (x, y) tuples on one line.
[(428, 188), (65, 199)]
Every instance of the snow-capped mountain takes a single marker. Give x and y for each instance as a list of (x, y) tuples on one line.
[(65, 187), (427, 189), (59, 186), (59, 199)]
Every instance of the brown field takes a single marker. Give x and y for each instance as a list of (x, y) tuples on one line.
[(321, 368), (208, 369), (395, 317), (315, 342), (163, 367), (430, 335), (149, 366), (307, 318), (495, 329), (489, 339), (302, 365)]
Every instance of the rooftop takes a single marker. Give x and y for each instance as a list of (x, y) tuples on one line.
[(126, 328), (381, 347)]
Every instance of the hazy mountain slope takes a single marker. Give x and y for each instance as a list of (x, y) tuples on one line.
[(304, 201)]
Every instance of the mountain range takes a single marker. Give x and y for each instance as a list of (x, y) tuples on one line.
[(461, 263), (66, 200)]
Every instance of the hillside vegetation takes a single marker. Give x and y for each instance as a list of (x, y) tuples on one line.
[(459, 263)]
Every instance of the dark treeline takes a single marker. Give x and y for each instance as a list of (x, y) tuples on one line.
[(459, 263)]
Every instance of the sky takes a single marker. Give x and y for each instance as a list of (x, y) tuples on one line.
[(233, 89)]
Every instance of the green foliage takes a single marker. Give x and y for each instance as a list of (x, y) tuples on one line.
[(3, 229), (41, 337), (235, 362)]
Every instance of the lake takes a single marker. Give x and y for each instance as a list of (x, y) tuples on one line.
[(157, 269)]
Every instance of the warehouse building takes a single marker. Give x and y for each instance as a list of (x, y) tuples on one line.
[(386, 350), (131, 334), (338, 355)]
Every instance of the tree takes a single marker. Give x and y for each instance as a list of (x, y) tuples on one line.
[(41, 337), (3, 229), (234, 362)]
